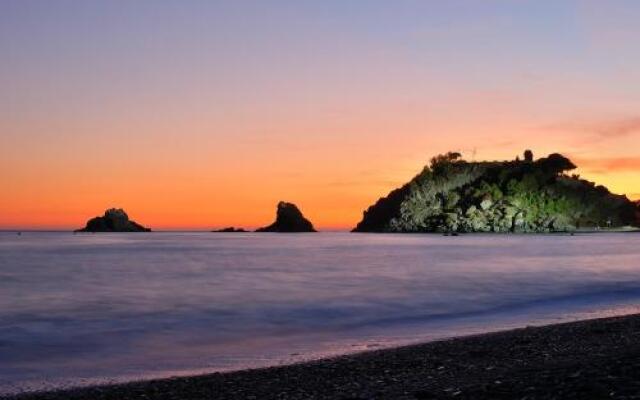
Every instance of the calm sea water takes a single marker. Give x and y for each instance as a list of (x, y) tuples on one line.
[(80, 309)]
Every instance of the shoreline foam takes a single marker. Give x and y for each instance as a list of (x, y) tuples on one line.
[(585, 359)]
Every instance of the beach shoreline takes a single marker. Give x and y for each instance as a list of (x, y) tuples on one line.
[(596, 358)]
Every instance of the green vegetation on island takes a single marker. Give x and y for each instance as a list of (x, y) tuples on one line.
[(454, 195)]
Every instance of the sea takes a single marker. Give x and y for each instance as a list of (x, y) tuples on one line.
[(83, 309)]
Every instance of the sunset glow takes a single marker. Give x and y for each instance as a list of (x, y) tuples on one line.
[(206, 116)]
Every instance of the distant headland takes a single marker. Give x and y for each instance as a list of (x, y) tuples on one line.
[(113, 220), (521, 195)]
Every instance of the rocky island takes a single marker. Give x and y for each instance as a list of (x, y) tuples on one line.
[(454, 195), (288, 219), (113, 220), (230, 229)]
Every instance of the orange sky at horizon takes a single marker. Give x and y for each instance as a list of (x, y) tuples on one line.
[(198, 200), (201, 115), (181, 174)]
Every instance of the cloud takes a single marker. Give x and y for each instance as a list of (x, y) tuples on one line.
[(615, 129), (602, 130), (613, 164)]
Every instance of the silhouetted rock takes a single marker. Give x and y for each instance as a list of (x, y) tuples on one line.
[(289, 219), (230, 229), (454, 195), (113, 220)]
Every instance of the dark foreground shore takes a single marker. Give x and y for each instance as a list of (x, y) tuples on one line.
[(596, 359)]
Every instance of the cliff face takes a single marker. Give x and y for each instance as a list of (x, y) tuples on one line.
[(288, 219), (113, 220), (453, 195)]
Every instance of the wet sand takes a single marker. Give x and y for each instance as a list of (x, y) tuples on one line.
[(594, 359)]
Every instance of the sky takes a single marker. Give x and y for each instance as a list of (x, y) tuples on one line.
[(204, 114)]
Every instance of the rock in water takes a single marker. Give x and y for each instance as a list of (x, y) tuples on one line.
[(230, 229), (289, 219), (454, 195), (113, 220)]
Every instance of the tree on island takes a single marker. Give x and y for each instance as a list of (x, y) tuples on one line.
[(528, 156)]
